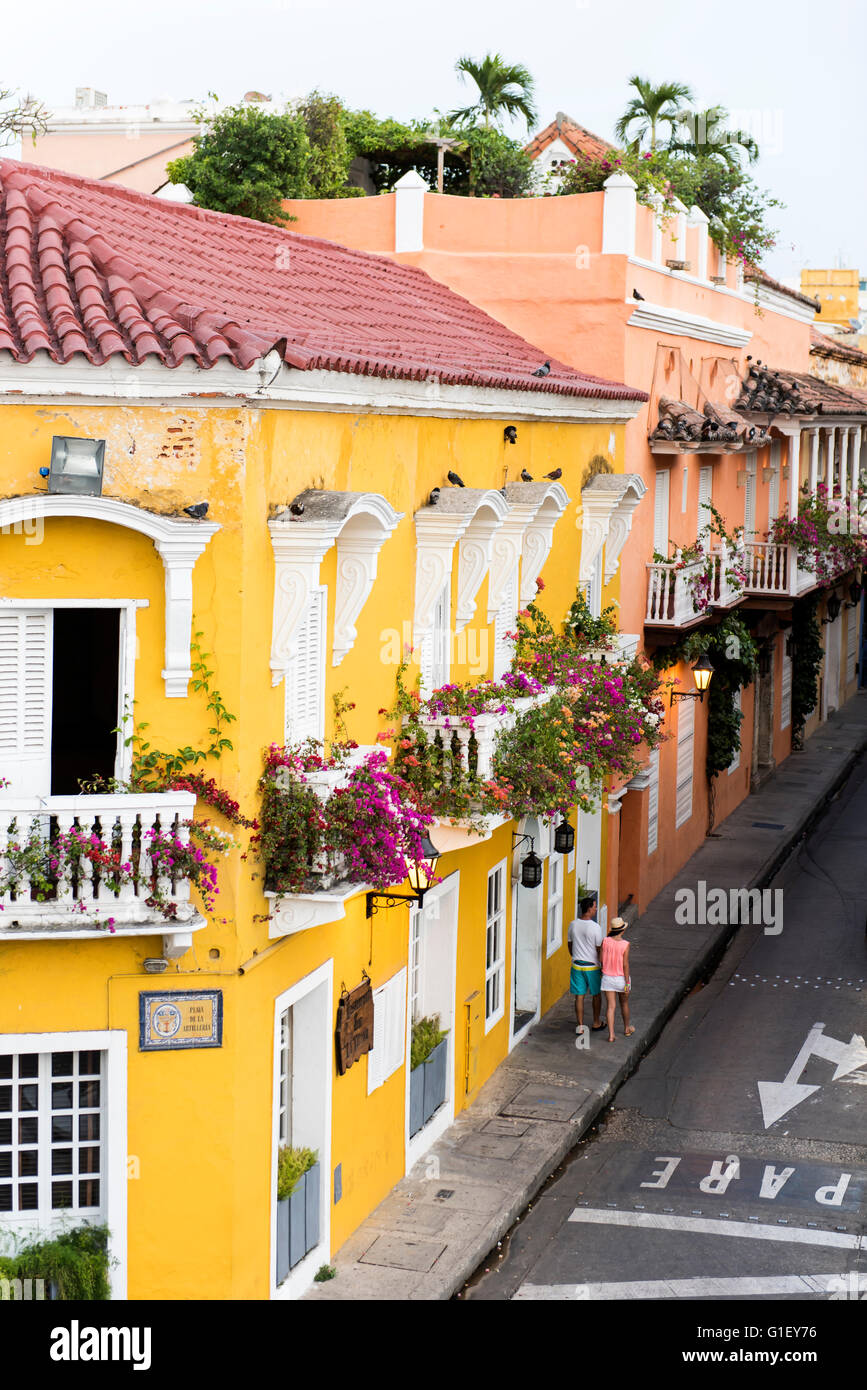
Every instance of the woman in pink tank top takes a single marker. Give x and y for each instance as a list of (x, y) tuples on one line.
[(614, 954)]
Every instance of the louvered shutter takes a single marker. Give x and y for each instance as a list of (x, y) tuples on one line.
[(750, 500), (705, 488), (660, 512), (786, 693), (774, 485), (685, 759), (736, 760), (507, 618), (653, 804), (435, 647), (389, 1031), (305, 679), (854, 615), (25, 700)]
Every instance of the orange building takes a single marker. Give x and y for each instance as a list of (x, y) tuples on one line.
[(640, 294)]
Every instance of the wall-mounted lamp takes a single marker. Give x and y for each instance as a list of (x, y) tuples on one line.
[(702, 672), (510, 434), (421, 875), (834, 606), (76, 466), (564, 838), (531, 864), (854, 593)]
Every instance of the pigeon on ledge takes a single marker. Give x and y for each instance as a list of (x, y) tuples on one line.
[(455, 480), (525, 476), (198, 511), (558, 473)]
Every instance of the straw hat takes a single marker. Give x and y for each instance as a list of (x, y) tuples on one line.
[(618, 924)]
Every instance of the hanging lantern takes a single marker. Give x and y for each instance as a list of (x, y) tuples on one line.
[(564, 838), (531, 871)]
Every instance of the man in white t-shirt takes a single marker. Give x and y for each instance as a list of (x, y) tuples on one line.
[(584, 938)]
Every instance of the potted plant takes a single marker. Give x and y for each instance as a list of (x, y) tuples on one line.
[(297, 1206), (428, 1071)]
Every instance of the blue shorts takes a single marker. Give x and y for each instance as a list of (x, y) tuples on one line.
[(585, 978)]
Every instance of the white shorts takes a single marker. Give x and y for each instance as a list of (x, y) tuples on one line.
[(616, 983)]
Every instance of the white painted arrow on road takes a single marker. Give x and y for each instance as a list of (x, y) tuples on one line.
[(779, 1097)]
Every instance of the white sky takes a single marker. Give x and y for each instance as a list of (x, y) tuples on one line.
[(796, 66)]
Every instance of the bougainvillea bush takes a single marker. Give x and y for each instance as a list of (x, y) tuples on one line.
[(368, 830), (828, 545)]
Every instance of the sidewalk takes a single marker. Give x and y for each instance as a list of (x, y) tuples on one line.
[(431, 1232)]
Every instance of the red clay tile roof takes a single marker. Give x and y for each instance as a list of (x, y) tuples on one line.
[(825, 346), (795, 393), (579, 140), (97, 269)]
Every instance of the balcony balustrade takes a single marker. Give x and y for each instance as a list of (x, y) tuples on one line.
[(86, 900)]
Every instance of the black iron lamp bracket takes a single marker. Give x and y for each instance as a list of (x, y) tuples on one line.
[(376, 902)]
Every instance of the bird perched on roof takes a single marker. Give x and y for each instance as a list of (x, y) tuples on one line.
[(434, 497), (636, 295), (525, 476), (197, 511), (297, 509), (543, 370), (455, 480), (558, 473)]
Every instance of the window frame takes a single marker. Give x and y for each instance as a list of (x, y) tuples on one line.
[(553, 943), (115, 1169), (495, 962)]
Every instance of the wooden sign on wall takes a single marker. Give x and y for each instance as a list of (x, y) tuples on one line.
[(354, 1032)]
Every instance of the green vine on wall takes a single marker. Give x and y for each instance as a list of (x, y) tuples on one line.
[(734, 654), (807, 660)]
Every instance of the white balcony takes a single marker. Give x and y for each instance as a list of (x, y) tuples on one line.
[(769, 570), (472, 741), (670, 593), (82, 906)]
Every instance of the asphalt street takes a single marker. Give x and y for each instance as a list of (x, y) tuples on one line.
[(733, 1163)]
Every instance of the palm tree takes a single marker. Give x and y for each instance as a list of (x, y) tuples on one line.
[(503, 87), (705, 133), (652, 107)]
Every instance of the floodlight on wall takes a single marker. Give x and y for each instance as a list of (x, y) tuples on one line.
[(702, 672), (76, 466)]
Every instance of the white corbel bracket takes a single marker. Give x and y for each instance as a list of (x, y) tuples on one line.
[(539, 534), (438, 528), (621, 524), (178, 541), (360, 523), (600, 500)]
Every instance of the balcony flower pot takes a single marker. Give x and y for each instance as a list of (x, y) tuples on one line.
[(297, 1218)]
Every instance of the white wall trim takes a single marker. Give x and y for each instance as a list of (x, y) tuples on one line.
[(427, 1136), (178, 541), (113, 1042), (774, 300), (659, 318), (301, 1277), (270, 382)]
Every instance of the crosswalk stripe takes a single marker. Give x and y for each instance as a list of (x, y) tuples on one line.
[(782, 1284), (656, 1221)]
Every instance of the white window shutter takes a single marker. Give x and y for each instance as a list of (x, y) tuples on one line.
[(705, 491), (389, 1031), (786, 692), (653, 804), (774, 485), (750, 500), (305, 679), (854, 615), (660, 512), (736, 760), (26, 671), (685, 760), (435, 663), (506, 621)]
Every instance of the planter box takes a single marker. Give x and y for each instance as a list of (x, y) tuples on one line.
[(298, 1223), (427, 1087)]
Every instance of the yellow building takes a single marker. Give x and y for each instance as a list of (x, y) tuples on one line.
[(836, 291), (160, 1045)]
